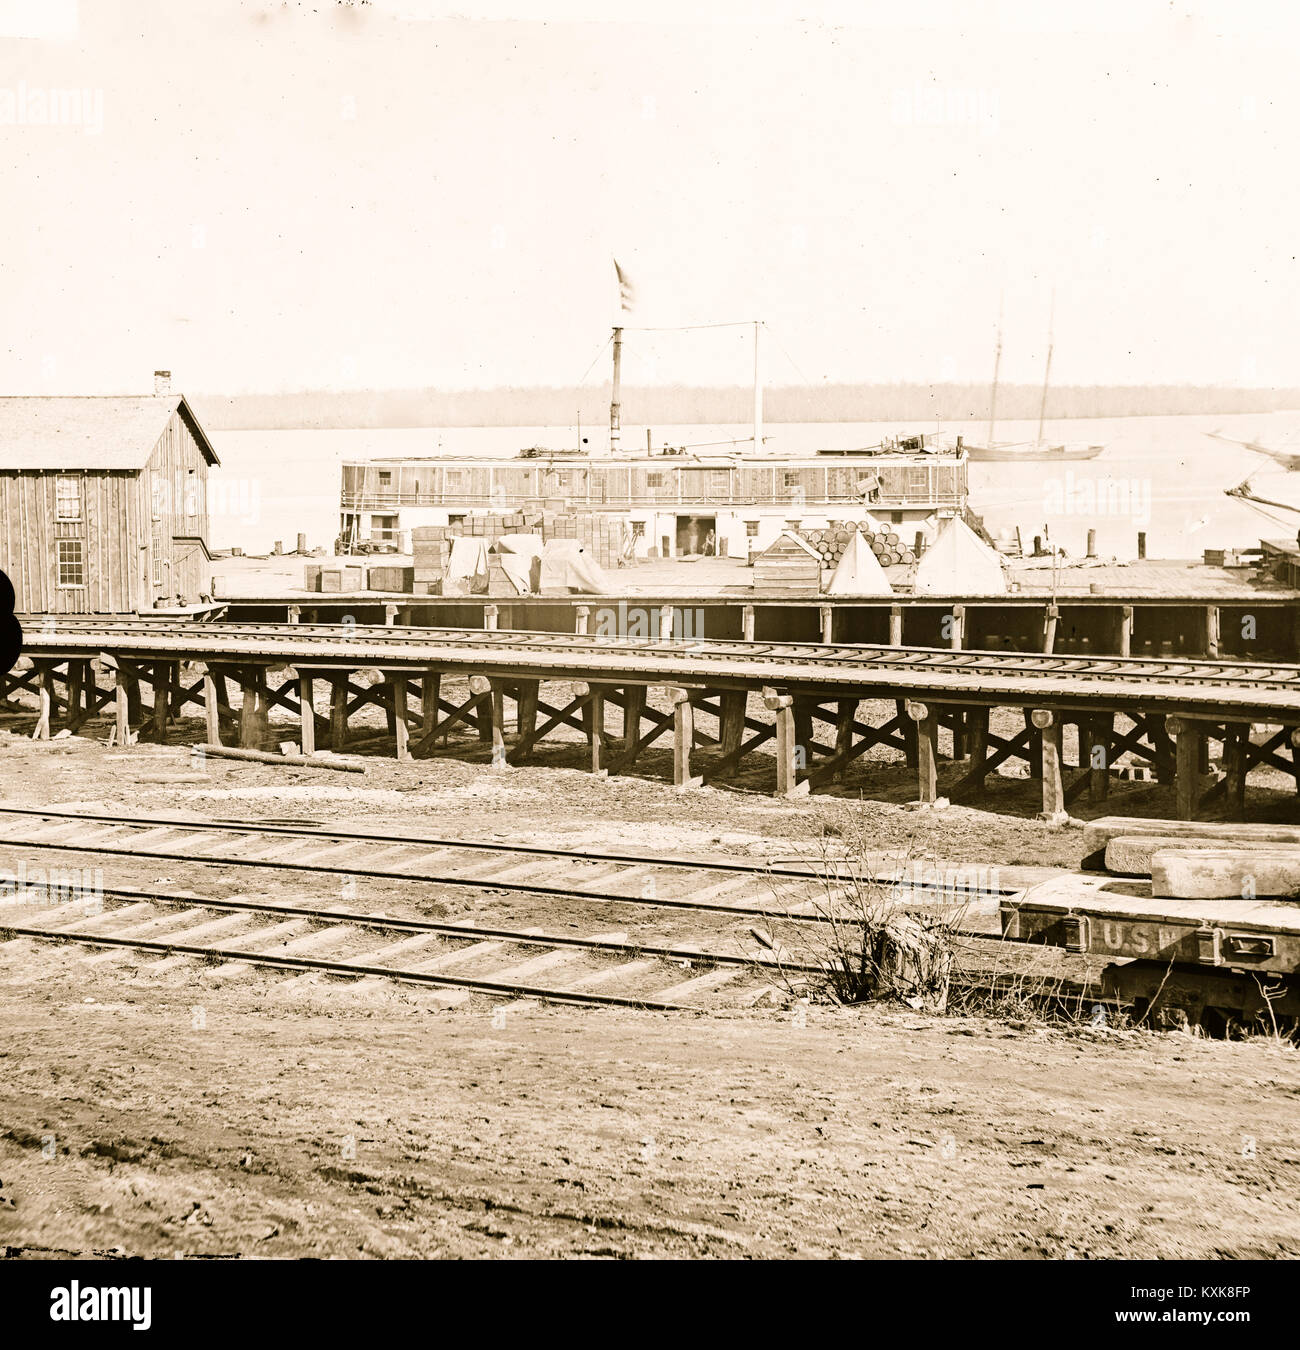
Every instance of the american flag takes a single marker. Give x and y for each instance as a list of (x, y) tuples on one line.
[(626, 291)]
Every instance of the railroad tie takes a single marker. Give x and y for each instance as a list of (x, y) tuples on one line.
[(698, 984)]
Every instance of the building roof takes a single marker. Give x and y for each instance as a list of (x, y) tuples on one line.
[(92, 432)]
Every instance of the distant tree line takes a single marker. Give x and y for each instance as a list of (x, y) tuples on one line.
[(666, 405)]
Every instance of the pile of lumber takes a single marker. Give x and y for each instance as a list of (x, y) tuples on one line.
[(789, 566), (1198, 859)]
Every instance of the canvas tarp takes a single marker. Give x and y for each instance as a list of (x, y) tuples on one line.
[(520, 556), (859, 571), (568, 567), (959, 562), (467, 567)]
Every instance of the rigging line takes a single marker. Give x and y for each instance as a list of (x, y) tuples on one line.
[(596, 358), (689, 327), (788, 357)]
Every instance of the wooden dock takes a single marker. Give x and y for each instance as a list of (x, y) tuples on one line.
[(811, 703)]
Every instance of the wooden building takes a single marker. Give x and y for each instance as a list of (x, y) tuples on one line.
[(104, 502)]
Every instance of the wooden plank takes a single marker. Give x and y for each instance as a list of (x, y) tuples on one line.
[(1225, 873)]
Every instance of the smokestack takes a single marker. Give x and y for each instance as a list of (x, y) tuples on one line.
[(162, 381)]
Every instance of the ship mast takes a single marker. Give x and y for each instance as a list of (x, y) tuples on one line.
[(758, 388), (997, 365), (1047, 370)]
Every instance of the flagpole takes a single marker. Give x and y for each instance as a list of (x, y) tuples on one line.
[(615, 409)]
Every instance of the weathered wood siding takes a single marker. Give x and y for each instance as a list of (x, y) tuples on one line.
[(29, 533), (117, 529), (176, 487)]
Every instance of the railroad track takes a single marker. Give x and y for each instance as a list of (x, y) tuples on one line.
[(88, 636), (711, 886), (459, 959)]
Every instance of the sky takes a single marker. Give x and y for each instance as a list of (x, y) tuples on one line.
[(269, 197)]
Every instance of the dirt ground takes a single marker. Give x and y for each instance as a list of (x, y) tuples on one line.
[(268, 1117), (354, 1131)]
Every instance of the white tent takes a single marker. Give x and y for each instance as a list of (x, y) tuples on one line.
[(859, 571), (959, 562)]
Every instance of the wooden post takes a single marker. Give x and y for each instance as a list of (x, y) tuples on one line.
[(491, 614), (845, 712), (254, 725), (121, 707), (957, 630), (1126, 630), (498, 703), (828, 623), (211, 712), (747, 623), (338, 712), (1100, 736), (581, 617), (665, 622), (1236, 740), (1049, 728), (45, 696), (295, 613), (75, 686), (1035, 753), (1187, 738), (803, 727), (162, 673), (978, 723), (1051, 619), (895, 625), (683, 738), (1213, 632), (430, 689), (731, 720), (593, 724), (927, 747), (787, 772), (633, 708), (526, 693), (390, 615), (401, 732), (307, 714), (909, 734), (480, 684)]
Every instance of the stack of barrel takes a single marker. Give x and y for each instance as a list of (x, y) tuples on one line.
[(831, 542)]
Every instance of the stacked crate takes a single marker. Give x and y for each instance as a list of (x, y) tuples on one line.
[(431, 546), (389, 578)]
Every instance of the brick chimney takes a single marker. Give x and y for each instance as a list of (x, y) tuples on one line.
[(162, 381)]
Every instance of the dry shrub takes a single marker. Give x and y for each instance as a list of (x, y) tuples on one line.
[(871, 940)]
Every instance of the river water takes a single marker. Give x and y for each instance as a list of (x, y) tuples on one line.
[(1160, 475)]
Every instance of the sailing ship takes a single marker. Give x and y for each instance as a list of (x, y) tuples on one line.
[(1036, 451)]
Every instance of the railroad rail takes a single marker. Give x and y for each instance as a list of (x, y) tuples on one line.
[(460, 956), (408, 674), (738, 889)]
